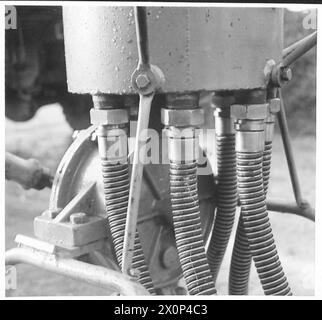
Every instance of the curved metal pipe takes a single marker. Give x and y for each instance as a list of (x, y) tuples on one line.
[(78, 270), (282, 121), (306, 211)]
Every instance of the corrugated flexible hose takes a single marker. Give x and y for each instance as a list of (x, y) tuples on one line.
[(226, 201), (116, 192), (256, 225), (187, 227), (241, 256)]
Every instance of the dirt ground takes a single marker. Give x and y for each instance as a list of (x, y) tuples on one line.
[(47, 136)]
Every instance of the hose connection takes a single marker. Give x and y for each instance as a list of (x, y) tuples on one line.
[(112, 119), (181, 119)]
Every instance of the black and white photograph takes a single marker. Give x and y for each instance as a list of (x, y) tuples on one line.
[(161, 149)]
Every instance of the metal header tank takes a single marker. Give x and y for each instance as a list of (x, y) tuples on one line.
[(197, 49)]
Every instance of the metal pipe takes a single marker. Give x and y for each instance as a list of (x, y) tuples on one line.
[(299, 48), (281, 116), (305, 212), (78, 270)]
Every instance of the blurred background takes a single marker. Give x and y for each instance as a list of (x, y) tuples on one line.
[(45, 133), (300, 93)]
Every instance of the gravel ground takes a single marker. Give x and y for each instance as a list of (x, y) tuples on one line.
[(47, 136)]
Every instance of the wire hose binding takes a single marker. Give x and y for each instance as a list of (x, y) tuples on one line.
[(267, 157), (241, 257), (256, 224), (187, 227), (226, 201), (116, 192), (240, 263)]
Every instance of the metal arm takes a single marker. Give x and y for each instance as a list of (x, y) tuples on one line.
[(298, 49), (302, 204), (145, 81)]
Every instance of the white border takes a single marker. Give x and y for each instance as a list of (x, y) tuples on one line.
[(318, 205)]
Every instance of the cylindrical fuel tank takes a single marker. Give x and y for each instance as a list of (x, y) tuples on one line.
[(197, 48)]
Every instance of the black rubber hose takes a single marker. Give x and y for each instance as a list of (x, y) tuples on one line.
[(116, 192), (226, 201), (241, 257), (256, 224), (187, 227)]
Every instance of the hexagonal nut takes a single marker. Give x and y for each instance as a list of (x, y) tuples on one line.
[(142, 81), (274, 105), (103, 117), (78, 218), (251, 111), (286, 74), (182, 117)]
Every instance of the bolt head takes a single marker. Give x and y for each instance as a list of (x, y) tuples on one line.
[(142, 81), (286, 74), (78, 218)]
